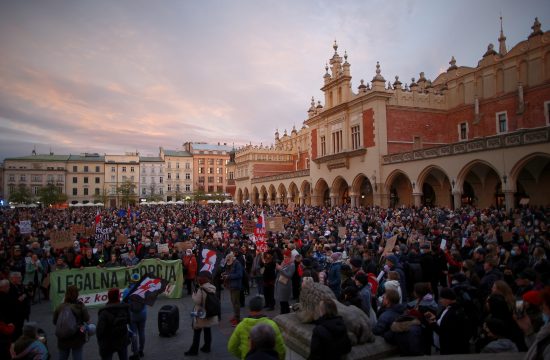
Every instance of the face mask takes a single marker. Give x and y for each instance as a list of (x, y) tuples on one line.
[(545, 318), (502, 251), (513, 252)]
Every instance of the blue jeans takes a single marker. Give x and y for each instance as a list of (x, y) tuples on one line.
[(77, 353), (122, 354), (138, 327)]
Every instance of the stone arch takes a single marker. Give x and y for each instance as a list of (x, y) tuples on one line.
[(255, 198), (294, 193), (282, 194), (399, 187), (239, 196), (435, 187), (246, 196), (272, 194), (479, 184), (340, 192), (263, 195), (321, 193), (305, 191), (529, 179), (361, 189)]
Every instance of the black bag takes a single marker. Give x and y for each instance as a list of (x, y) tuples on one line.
[(168, 320), (136, 306), (212, 306)]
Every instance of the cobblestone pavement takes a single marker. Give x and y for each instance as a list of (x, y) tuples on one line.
[(157, 347)]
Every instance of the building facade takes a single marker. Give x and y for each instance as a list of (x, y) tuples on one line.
[(122, 170), (474, 135), (210, 172), (84, 179), (179, 174)]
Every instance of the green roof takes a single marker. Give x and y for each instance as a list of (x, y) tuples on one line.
[(41, 157), (150, 159), (177, 153), (88, 157)]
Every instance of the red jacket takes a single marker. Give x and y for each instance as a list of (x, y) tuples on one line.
[(190, 263)]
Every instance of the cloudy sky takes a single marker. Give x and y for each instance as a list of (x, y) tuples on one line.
[(115, 76)]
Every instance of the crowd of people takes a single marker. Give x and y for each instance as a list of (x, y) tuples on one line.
[(429, 279)]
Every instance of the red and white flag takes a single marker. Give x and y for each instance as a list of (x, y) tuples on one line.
[(98, 217), (209, 259), (259, 234), (147, 290)]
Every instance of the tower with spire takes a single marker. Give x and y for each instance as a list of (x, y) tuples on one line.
[(337, 83), (502, 41)]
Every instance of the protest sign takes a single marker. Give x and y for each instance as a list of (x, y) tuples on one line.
[(102, 234), (25, 227), (342, 231), (60, 239), (183, 245), (275, 224), (507, 236), (163, 248), (78, 229), (248, 226), (94, 283), (390, 244)]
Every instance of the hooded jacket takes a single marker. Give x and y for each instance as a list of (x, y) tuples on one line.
[(238, 344)]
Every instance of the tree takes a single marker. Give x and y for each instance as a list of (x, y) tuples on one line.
[(127, 192), (21, 195), (102, 197), (51, 194), (154, 196)]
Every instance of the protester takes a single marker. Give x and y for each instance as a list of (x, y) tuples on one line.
[(112, 327), (262, 343), (138, 315), (71, 343), (238, 344), (233, 276), (330, 337), (202, 322), (189, 270), (283, 284), (28, 346)]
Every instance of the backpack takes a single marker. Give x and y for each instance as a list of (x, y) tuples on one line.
[(66, 325), (211, 304)]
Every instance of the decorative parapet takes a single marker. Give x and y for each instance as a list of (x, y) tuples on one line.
[(517, 138), (288, 175), (340, 160)]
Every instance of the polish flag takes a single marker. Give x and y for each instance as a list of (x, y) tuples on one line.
[(97, 217)]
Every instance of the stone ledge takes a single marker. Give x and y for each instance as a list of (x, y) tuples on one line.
[(297, 337)]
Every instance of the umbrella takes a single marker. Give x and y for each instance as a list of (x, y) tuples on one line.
[(180, 202), (228, 201)]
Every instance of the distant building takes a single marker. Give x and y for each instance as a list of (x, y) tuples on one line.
[(120, 170), (209, 167), (84, 178), (179, 174)]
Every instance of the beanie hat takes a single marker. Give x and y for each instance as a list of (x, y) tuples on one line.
[(447, 293), (336, 256), (362, 278), (256, 303), (113, 296), (533, 297), (393, 259), (135, 277)]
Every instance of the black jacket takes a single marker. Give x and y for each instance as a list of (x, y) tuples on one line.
[(453, 331), (330, 339), (112, 327)]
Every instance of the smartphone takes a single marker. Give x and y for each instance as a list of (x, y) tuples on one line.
[(520, 309)]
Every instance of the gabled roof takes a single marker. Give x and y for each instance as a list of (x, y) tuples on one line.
[(177, 153)]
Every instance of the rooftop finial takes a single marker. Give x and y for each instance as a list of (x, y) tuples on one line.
[(502, 40), (346, 56), (452, 63), (335, 46), (490, 50), (378, 76), (536, 28)]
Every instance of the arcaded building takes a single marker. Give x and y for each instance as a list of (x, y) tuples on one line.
[(474, 135)]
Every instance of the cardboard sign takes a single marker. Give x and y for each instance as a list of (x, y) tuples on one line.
[(390, 244), (77, 229), (443, 245), (507, 236), (248, 226), (163, 248), (183, 245), (275, 224), (290, 206), (342, 231), (60, 239), (25, 227), (121, 239), (89, 231)]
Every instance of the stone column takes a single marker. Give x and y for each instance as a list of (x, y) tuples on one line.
[(457, 199), (333, 200), (380, 199), (301, 200), (509, 199), (289, 199), (417, 197), (354, 200)]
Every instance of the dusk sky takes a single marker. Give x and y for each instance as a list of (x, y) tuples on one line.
[(117, 76)]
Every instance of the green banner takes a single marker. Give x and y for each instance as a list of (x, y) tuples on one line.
[(94, 283)]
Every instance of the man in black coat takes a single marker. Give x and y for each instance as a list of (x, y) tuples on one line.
[(330, 336), (451, 333), (112, 327)]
